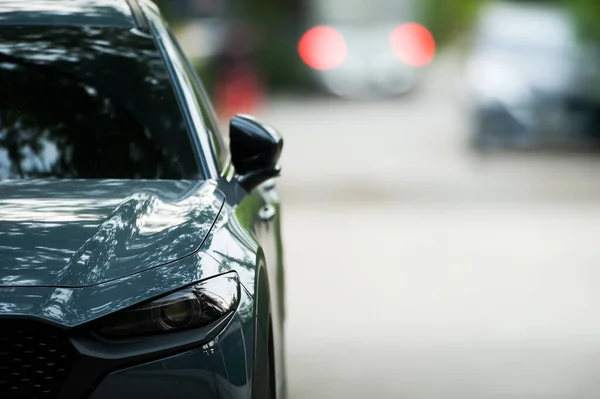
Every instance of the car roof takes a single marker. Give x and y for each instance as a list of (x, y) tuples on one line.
[(532, 13), (525, 22), (109, 13)]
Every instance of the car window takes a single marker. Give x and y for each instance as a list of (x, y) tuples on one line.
[(208, 114), (88, 103)]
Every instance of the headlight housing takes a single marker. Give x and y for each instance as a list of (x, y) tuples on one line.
[(191, 307)]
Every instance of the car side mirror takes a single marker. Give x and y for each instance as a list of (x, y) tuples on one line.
[(255, 150)]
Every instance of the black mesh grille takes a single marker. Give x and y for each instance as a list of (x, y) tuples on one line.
[(35, 360)]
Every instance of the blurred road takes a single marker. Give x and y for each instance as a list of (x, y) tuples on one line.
[(416, 269)]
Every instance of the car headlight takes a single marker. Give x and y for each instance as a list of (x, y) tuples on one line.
[(194, 306)]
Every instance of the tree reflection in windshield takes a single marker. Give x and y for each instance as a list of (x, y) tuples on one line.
[(76, 105)]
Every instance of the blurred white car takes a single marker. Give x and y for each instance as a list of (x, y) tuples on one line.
[(359, 49), (532, 82)]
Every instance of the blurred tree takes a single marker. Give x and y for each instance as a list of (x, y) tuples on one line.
[(587, 13), (165, 8), (277, 23), (448, 19), (280, 22)]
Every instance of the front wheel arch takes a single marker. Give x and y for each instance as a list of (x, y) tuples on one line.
[(263, 336)]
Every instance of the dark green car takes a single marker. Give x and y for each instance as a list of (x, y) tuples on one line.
[(139, 256)]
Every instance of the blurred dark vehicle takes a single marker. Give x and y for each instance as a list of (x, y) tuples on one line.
[(533, 84), (357, 49)]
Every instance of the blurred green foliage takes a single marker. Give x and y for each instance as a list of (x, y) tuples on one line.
[(587, 13), (280, 23), (448, 19)]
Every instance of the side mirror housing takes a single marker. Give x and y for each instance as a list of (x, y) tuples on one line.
[(255, 150)]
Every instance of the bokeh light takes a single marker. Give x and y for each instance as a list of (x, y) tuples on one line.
[(322, 48), (413, 44)]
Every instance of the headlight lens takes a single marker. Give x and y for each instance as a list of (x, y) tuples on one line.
[(195, 306)]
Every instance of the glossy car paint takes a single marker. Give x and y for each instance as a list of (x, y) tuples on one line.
[(218, 369), (255, 149), (98, 247), (74, 233), (114, 13)]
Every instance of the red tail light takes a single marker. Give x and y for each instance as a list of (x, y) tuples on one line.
[(322, 48), (413, 44)]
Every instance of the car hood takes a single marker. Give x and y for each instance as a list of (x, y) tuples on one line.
[(76, 233)]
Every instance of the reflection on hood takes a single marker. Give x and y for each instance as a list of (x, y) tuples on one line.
[(75, 233)]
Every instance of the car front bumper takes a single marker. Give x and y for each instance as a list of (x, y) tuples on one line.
[(199, 373), (220, 367)]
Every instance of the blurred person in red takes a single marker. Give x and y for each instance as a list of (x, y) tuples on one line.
[(239, 87)]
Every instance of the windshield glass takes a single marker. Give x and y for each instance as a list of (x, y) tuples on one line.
[(540, 33), (88, 103)]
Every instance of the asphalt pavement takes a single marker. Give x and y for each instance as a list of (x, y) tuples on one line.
[(418, 269)]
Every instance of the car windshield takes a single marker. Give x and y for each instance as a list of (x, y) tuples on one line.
[(535, 34), (88, 103)]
